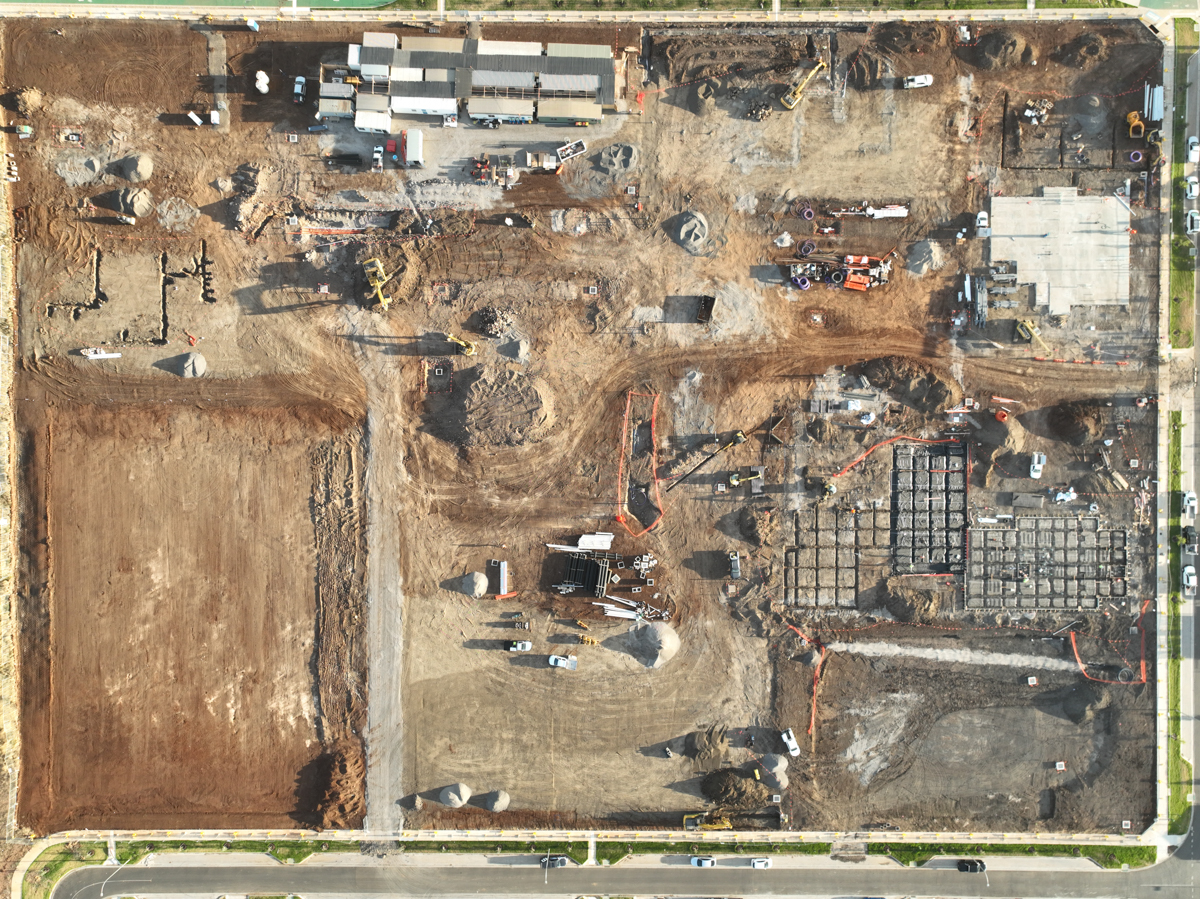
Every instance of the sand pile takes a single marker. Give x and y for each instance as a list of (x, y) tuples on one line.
[(732, 788), (618, 159), (29, 100), (78, 168), (176, 214), (474, 584), (1079, 423), (193, 366), (999, 50), (137, 168), (653, 644), (691, 232), (923, 256), (702, 99), (455, 795), (776, 766), (709, 747), (507, 409), (913, 383), (135, 201), (496, 801)]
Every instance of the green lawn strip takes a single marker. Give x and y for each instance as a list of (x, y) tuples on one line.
[(1179, 771), (576, 849), (731, 5), (614, 852), (1182, 281), (1105, 856), (49, 867), (294, 851)]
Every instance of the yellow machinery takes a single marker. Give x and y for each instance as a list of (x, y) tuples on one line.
[(1136, 126), (585, 640), (706, 821), (1030, 332), (465, 347), (1154, 139), (376, 278), (792, 97), (581, 623), (736, 480)]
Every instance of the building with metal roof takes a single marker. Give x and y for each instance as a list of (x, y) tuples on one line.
[(511, 112), (568, 112)]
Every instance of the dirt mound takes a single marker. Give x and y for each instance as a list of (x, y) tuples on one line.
[(732, 788), (193, 366), (618, 159), (913, 383), (1083, 52), (78, 168), (999, 50), (176, 214), (819, 429), (909, 604), (135, 201), (1082, 703), (869, 67), (474, 584), (759, 524), (1078, 423), (29, 100), (702, 99), (709, 747), (343, 804), (494, 322), (507, 409), (654, 644), (137, 168), (691, 232), (910, 37), (923, 256)]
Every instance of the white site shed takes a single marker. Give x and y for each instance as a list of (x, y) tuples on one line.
[(438, 106), (509, 48), (373, 122), (333, 108), (380, 39)]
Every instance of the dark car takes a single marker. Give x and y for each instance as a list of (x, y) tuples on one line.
[(971, 865), (554, 861)]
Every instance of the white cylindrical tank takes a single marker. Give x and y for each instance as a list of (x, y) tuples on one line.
[(261, 82)]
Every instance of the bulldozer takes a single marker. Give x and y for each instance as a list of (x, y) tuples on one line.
[(792, 98), (376, 279), (714, 820), (1029, 332), (465, 347), (1137, 127)]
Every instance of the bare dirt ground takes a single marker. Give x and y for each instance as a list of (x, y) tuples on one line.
[(321, 447)]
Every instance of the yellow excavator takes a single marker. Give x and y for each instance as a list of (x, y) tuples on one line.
[(736, 479), (1030, 332), (792, 98), (1136, 126), (376, 279), (707, 821), (465, 347)]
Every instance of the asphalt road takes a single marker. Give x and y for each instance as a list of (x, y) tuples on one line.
[(1174, 879)]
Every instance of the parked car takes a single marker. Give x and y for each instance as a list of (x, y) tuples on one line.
[(1189, 503), (554, 861), (760, 864), (1193, 149), (971, 865), (1191, 541), (568, 662), (518, 646), (1189, 580), (703, 861), (789, 740), (735, 566), (1037, 462), (1191, 188), (917, 81), (298, 90), (981, 220), (1193, 222)]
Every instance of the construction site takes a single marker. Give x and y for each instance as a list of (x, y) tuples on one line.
[(582, 426)]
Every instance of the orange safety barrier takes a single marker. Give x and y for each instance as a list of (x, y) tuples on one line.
[(885, 443), (622, 496)]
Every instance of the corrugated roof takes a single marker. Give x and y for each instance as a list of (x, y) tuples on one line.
[(550, 82), (397, 74), (439, 75), (372, 102), (422, 89), (378, 121), (428, 59), (339, 91), (509, 48), (424, 106), (499, 106), (437, 44), (482, 78), (608, 89), (376, 56), (463, 82), (578, 110), (592, 51)]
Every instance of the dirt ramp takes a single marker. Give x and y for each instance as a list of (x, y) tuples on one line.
[(913, 383)]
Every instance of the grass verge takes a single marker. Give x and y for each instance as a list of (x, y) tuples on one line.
[(49, 867), (1182, 280), (294, 851), (1105, 856), (1179, 771), (666, 6), (614, 852)]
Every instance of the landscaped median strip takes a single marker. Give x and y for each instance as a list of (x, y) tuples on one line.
[(1179, 771), (1105, 856)]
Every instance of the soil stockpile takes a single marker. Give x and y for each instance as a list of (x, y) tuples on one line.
[(343, 805), (909, 604), (913, 383), (733, 788), (1083, 52), (455, 795), (691, 232), (137, 168), (507, 409), (759, 525), (496, 801), (618, 159), (1079, 423), (910, 37), (474, 585), (709, 747), (998, 50), (654, 644)]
